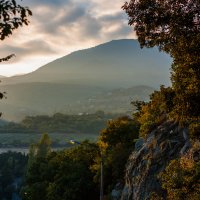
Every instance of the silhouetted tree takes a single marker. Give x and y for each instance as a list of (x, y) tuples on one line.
[(12, 16)]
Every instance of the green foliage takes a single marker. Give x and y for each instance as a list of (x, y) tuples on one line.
[(156, 111), (74, 179), (24, 140), (12, 169), (164, 23), (116, 142), (62, 175), (138, 105), (173, 26), (194, 130), (75, 173), (186, 83), (13, 127), (86, 123), (36, 180), (121, 131), (181, 179), (155, 196), (12, 16), (44, 146)]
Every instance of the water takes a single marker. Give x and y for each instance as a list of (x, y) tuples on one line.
[(13, 149), (24, 150)]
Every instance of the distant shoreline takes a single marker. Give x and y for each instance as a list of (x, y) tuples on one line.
[(25, 150)]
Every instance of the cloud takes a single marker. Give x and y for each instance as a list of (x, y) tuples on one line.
[(36, 3), (118, 16), (73, 15), (61, 26), (82, 20), (32, 47)]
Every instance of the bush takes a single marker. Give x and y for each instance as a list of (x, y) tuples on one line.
[(181, 178)]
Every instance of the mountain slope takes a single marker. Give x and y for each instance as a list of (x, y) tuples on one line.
[(49, 98), (69, 83), (119, 63)]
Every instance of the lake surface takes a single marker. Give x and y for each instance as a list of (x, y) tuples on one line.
[(24, 150), (21, 150), (20, 142)]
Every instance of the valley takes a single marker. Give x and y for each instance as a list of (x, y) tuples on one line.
[(106, 77)]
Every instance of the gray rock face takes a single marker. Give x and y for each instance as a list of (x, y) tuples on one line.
[(139, 143), (117, 191), (168, 141)]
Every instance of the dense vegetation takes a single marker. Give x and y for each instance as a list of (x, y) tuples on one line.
[(60, 175), (116, 143), (181, 179), (60, 123), (75, 172), (12, 170), (173, 26), (12, 165)]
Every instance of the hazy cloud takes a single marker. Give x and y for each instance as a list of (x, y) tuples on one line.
[(30, 48), (60, 26)]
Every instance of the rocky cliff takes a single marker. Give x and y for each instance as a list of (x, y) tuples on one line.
[(168, 141)]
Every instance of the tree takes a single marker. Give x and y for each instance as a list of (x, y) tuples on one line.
[(116, 142), (74, 178), (173, 26), (37, 176), (12, 16), (12, 169), (44, 146), (62, 175), (155, 111), (181, 178)]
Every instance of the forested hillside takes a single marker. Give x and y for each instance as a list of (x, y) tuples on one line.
[(80, 82), (60, 123)]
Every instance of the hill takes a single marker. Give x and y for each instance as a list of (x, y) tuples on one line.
[(68, 84), (119, 63)]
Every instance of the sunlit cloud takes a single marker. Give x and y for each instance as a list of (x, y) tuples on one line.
[(59, 27)]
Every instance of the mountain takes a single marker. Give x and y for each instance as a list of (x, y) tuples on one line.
[(119, 63), (69, 83)]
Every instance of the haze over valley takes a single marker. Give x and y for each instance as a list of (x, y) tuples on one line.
[(106, 77)]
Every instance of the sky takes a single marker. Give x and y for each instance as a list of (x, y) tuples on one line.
[(59, 27)]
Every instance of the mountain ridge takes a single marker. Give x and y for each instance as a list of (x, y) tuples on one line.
[(118, 61), (67, 83)]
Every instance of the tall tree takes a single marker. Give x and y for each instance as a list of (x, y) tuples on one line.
[(116, 142), (44, 146), (173, 26)]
